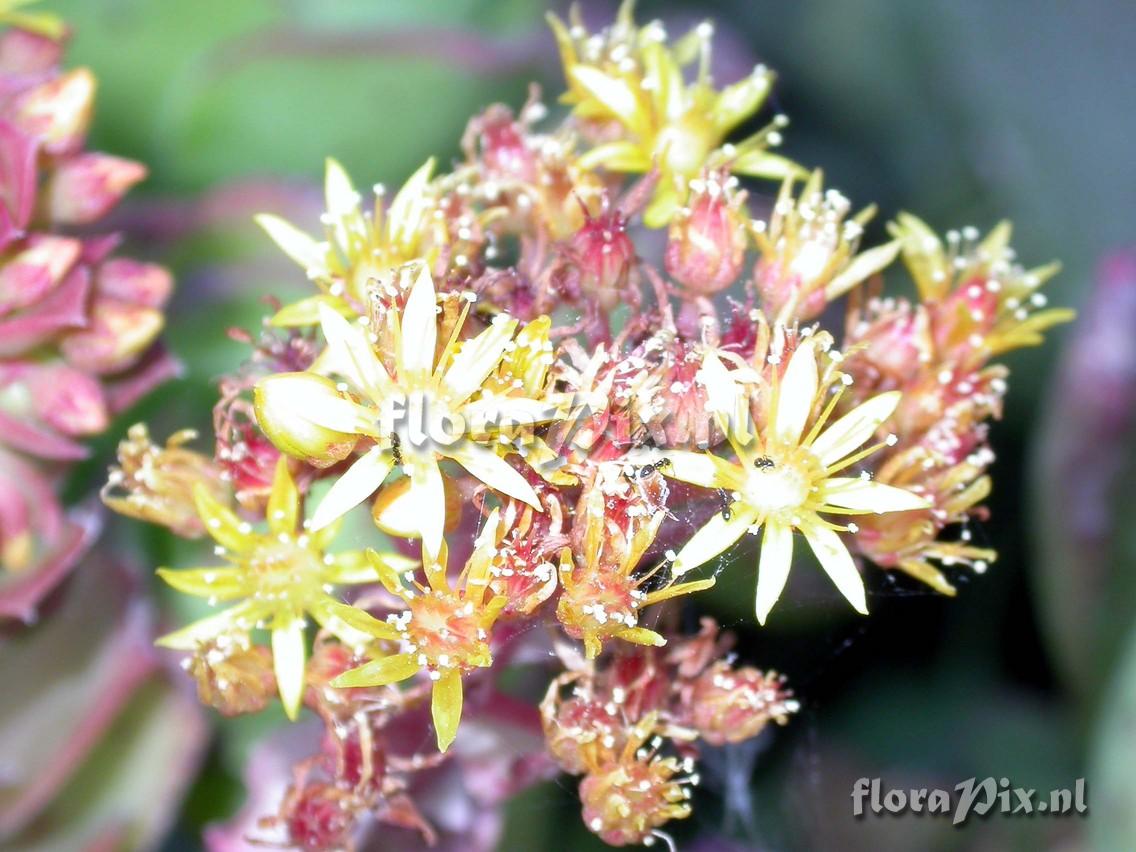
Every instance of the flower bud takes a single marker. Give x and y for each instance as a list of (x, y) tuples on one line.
[(85, 187), (729, 706), (603, 255), (706, 242), (117, 334), (31, 274), (58, 112), (233, 677), (134, 282), (156, 483), (285, 404)]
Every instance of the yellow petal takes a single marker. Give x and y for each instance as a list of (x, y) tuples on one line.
[(240, 618), (446, 707), (390, 569), (642, 636), (334, 615), (305, 312), (301, 248), (863, 266), (838, 564), (854, 428), (716, 535), (223, 526), (765, 164), (379, 672), (283, 510), (864, 495), (357, 483), (614, 94), (677, 590), (617, 157), (222, 584), (478, 357), (288, 655), (494, 471), (738, 102), (419, 326), (773, 567), (796, 393)]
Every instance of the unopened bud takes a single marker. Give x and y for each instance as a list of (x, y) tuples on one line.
[(285, 405), (84, 188), (706, 243)]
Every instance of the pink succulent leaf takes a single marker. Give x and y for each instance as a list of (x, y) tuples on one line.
[(21, 593), (156, 367), (65, 307), (17, 182)]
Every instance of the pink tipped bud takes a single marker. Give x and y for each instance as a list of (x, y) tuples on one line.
[(34, 272), (59, 112), (117, 334), (502, 145), (84, 188), (707, 241), (134, 282), (604, 256)]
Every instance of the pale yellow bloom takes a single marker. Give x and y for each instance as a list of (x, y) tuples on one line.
[(361, 246), (785, 478), (630, 76), (431, 407), (444, 630), (280, 576)]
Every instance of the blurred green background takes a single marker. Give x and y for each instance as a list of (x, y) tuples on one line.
[(964, 111)]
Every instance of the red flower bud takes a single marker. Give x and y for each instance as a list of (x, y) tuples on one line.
[(707, 241)]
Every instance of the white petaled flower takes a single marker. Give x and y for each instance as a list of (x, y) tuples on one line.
[(429, 408), (785, 477)]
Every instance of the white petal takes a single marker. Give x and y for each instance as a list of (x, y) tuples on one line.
[(428, 494), (854, 428), (716, 535), (477, 358), (797, 393), (494, 471), (352, 355), (773, 567), (342, 201), (309, 398), (838, 564), (420, 325), (703, 469), (288, 655), (409, 204), (358, 482), (866, 496), (311, 255)]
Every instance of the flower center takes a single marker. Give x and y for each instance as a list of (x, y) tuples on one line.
[(282, 566), (446, 631), (419, 422), (780, 484)]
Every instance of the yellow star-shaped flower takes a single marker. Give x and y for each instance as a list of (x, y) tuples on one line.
[(784, 479)]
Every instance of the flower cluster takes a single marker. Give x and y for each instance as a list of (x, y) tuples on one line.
[(529, 409), (78, 324)]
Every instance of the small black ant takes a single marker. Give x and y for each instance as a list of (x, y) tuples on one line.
[(396, 449), (727, 512), (764, 463), (647, 469)]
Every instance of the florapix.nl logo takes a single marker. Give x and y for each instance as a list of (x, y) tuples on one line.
[(972, 797)]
